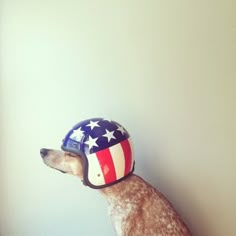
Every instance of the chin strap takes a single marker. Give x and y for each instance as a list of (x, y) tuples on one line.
[(84, 183)]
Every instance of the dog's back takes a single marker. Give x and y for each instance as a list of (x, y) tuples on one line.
[(136, 208)]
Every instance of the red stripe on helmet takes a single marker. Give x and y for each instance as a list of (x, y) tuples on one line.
[(107, 165), (128, 155)]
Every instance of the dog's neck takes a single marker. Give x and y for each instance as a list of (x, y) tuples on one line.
[(125, 189)]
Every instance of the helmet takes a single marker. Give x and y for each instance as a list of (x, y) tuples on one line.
[(105, 148)]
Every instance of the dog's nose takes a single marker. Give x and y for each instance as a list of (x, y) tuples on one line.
[(43, 152)]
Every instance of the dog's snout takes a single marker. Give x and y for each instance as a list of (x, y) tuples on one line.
[(43, 152)]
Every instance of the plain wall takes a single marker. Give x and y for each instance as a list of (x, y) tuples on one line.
[(164, 69)]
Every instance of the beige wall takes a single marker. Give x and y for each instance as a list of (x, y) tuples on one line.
[(165, 69)]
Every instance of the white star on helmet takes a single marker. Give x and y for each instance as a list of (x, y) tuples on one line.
[(91, 142), (109, 135), (93, 124)]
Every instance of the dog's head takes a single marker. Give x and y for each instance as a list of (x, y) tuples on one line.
[(65, 162)]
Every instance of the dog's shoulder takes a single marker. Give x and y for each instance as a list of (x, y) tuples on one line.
[(140, 209)]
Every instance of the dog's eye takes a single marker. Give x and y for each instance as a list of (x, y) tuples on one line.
[(71, 154)]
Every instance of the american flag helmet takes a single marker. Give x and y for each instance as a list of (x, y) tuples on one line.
[(105, 148)]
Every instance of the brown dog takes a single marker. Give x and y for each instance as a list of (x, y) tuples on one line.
[(99, 152), (136, 208)]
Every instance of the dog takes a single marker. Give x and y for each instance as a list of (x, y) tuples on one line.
[(135, 207)]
